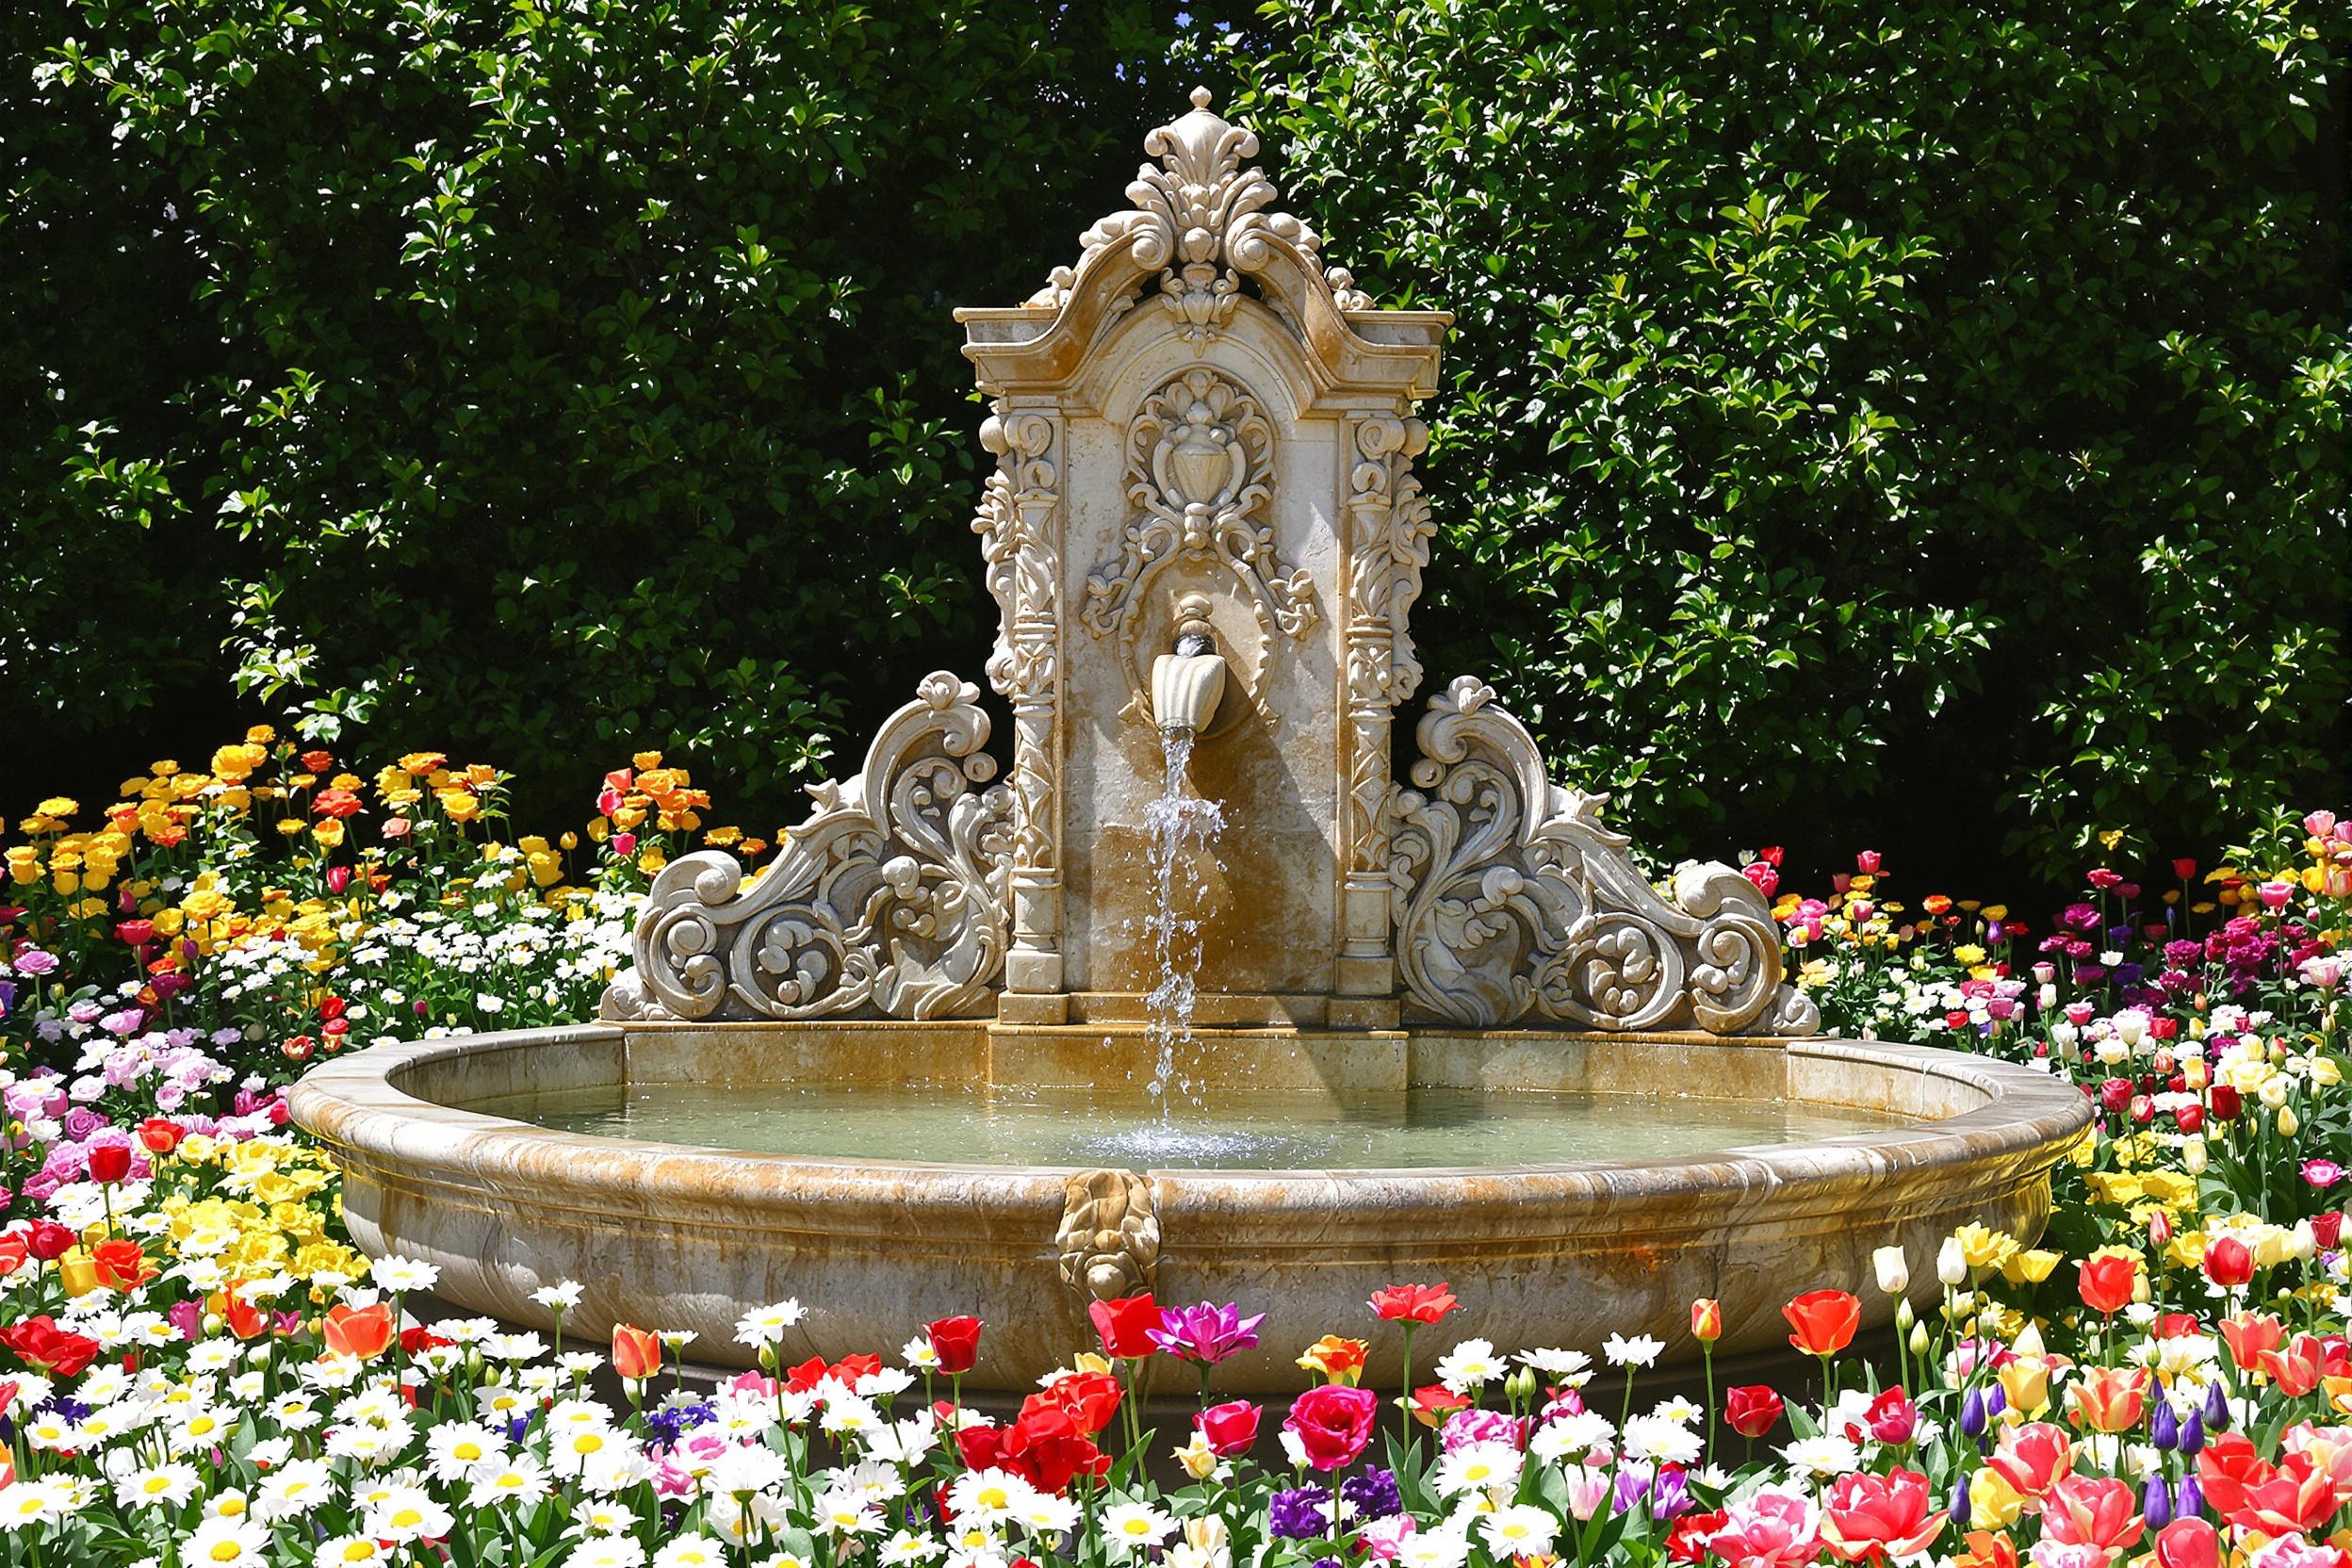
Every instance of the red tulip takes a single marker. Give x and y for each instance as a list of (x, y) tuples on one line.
[(361, 1333), (1893, 1418), (109, 1162), (1824, 1321), (2105, 1282), (2033, 1457), (49, 1350), (48, 1240), (956, 1342), (1751, 1409), (1125, 1326), (636, 1352), (2227, 1263), (160, 1135), (2328, 1230), (1413, 1303), (1866, 862), (2225, 1100), (1871, 1518), (1230, 1428)]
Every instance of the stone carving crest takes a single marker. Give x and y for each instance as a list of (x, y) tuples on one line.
[(1204, 220), (1109, 1238), (1517, 900), (1199, 473), (890, 899)]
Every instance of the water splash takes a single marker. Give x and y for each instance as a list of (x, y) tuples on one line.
[(1181, 829)]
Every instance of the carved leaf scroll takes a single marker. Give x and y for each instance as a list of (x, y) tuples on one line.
[(890, 899), (1516, 900)]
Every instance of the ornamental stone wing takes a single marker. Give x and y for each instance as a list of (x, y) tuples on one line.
[(1516, 900), (890, 900)]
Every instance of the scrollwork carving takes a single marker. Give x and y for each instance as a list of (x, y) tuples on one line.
[(890, 899), (1516, 900), (1200, 481), (1204, 221)]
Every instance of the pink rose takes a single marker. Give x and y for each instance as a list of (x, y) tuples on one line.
[(1333, 1423)]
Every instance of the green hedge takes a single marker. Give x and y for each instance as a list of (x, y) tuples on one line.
[(1866, 413), (1861, 419)]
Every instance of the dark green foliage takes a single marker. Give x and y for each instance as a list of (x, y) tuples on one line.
[(1857, 410), (542, 380)]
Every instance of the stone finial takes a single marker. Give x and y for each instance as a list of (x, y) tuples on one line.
[(1109, 1238)]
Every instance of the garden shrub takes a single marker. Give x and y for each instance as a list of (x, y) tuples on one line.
[(1891, 412)]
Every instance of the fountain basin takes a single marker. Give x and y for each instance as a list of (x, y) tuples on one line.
[(677, 1236)]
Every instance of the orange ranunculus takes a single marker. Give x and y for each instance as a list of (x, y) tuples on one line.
[(1706, 1321), (2110, 1398), (2032, 1458), (2105, 1282), (2248, 1334), (636, 1352), (1340, 1361), (361, 1333), (121, 1263), (1824, 1321)]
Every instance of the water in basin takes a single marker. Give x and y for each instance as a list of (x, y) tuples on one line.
[(1269, 1130)]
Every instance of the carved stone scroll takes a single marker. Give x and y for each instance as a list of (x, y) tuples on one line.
[(1516, 900), (1109, 1238), (888, 900)]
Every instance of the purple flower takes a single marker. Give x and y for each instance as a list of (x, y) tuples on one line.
[(1207, 1333), (1301, 1513), (1373, 1493), (1670, 1495), (32, 963)]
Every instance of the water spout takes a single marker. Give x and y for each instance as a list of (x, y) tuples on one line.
[(1186, 686), (1183, 830)]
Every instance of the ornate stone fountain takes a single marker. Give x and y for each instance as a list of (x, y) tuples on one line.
[(1203, 520)]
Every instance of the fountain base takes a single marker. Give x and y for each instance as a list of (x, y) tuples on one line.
[(671, 1235)]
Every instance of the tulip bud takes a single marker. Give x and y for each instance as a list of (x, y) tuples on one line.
[(2192, 1156), (1904, 1317), (1919, 1339), (1520, 1387), (2192, 1438), (2287, 1122), (1894, 1269), (2216, 1412), (2188, 1498), (1972, 1414), (2164, 1428), (2156, 1503), (1706, 1321), (1951, 1263)]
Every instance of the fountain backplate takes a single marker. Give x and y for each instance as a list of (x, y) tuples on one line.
[(1201, 420)]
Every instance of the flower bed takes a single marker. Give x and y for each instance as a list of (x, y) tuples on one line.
[(196, 1368)]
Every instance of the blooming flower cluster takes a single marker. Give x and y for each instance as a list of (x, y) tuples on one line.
[(196, 1367)]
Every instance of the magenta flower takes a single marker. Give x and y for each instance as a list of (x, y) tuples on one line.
[(1207, 1333), (2322, 1174)]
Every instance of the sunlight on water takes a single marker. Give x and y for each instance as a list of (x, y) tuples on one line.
[(1243, 1129)]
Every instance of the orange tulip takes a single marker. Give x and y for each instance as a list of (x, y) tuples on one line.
[(2298, 1368), (1706, 1321), (121, 1263), (360, 1332), (636, 1352), (1340, 1361), (2110, 1398), (1824, 1321), (2106, 1283), (2248, 1334)]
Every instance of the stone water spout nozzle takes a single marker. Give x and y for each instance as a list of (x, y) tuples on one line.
[(1188, 683)]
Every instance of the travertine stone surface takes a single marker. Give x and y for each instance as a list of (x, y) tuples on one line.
[(1203, 427), (678, 1237)]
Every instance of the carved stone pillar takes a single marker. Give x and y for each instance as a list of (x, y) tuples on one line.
[(1017, 525)]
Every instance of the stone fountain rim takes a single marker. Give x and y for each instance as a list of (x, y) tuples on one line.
[(355, 1105)]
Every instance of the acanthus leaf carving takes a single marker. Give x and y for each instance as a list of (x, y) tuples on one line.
[(1391, 526), (1204, 222), (1199, 483), (1516, 900), (889, 899)]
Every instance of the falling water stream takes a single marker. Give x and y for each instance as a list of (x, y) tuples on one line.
[(1181, 829)]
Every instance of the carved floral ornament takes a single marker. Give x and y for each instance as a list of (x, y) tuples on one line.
[(1200, 481), (1204, 221)]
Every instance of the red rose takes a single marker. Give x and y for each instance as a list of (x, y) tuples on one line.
[(1125, 1326), (1332, 1423), (1230, 1428), (109, 1162), (49, 1350), (956, 1342), (2327, 1229), (1751, 1409)]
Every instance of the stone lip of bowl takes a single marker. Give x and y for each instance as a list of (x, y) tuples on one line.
[(672, 1236)]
